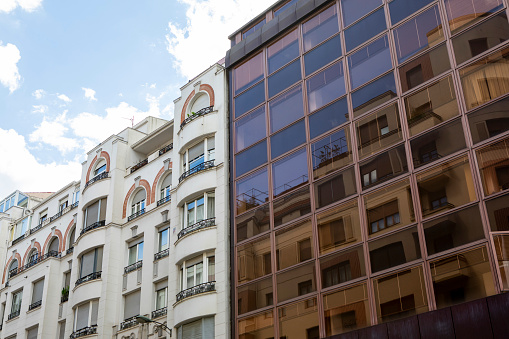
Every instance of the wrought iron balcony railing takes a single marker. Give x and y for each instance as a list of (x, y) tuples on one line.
[(161, 254), (128, 323), (203, 166), (164, 200), (195, 115), (165, 149), (93, 226), (201, 288), (35, 305), (35, 260), (133, 267), (15, 241), (36, 228), (83, 332), (136, 215), (91, 276), (139, 165), (98, 177), (13, 272), (56, 216), (13, 315), (70, 250), (159, 313), (198, 226)]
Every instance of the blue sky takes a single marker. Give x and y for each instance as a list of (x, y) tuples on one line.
[(74, 72)]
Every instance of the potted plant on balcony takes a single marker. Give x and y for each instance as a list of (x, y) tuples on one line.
[(65, 293)]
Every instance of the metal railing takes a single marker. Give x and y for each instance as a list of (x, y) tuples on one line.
[(36, 260), (91, 276), (198, 226), (15, 241), (35, 305), (160, 312), (36, 228), (165, 149), (136, 215), (13, 315), (74, 205), (163, 200), (128, 323), (203, 166), (69, 250), (98, 177), (201, 288), (56, 216), (83, 332), (133, 267), (139, 165), (195, 115), (161, 254), (93, 226), (13, 272)]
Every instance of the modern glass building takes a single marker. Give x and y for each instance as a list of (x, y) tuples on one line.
[(370, 167)]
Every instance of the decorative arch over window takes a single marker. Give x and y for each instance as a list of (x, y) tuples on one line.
[(128, 200), (54, 239), (102, 156), (70, 235), (203, 88), (13, 262), (30, 255), (163, 173)]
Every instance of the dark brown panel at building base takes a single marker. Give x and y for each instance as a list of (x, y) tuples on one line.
[(472, 320), (404, 329), (436, 324), (374, 332), (498, 307)]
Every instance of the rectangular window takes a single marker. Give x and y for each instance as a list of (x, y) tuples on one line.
[(132, 304), (370, 61), (135, 253), (336, 188), (293, 245), (37, 291), (384, 167), (254, 296), (16, 302), (325, 86), (63, 204), (462, 13), (161, 298), (319, 28), (299, 320), (342, 267), (86, 315), (91, 262), (331, 153), (338, 227), (32, 333), (95, 212), (494, 166), (296, 281), (163, 239), (251, 260), (61, 330)]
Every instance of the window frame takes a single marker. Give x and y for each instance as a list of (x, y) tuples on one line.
[(206, 200), (208, 154)]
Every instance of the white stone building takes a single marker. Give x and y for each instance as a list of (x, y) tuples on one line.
[(144, 232)]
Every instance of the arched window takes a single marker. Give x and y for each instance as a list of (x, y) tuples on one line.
[(201, 101), (53, 247), (165, 188), (33, 256), (72, 237), (100, 167), (138, 204), (13, 268)]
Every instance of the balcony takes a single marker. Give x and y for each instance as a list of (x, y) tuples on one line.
[(136, 215), (128, 323), (91, 276), (159, 313), (84, 331), (198, 226), (69, 250), (165, 149), (203, 166), (139, 165), (93, 226), (17, 240), (133, 267), (161, 254), (98, 177), (64, 297), (56, 216), (13, 272), (13, 315), (164, 200), (198, 289), (35, 305), (195, 115), (36, 228)]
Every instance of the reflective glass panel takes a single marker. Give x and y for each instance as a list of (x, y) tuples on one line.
[(328, 117), (284, 78), (251, 158), (498, 213), (383, 167), (294, 245), (299, 320), (254, 296), (253, 260), (292, 206), (342, 267), (319, 28), (296, 282), (501, 243), (288, 139), (290, 172), (352, 11), (253, 223), (462, 13), (285, 109), (260, 326), (365, 29), (325, 86), (250, 129), (322, 55), (489, 121), (335, 188), (400, 9), (369, 62), (252, 191), (331, 153), (493, 163), (283, 51), (249, 99), (374, 94), (248, 73)]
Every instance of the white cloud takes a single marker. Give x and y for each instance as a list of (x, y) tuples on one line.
[(53, 133), (89, 94), (39, 109), (27, 5), (39, 93), (9, 74), (208, 24), (22, 171), (64, 97)]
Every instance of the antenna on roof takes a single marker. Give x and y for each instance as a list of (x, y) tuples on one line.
[(132, 120)]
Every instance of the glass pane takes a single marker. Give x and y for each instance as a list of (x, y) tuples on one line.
[(369, 62), (285, 109), (400, 295), (462, 277), (284, 78), (328, 117), (431, 106), (287, 139), (250, 129), (190, 277), (211, 205), (339, 227), (200, 212), (251, 158), (161, 299), (252, 191), (489, 121), (346, 310), (283, 8), (299, 320), (290, 172), (190, 214), (253, 260), (402, 8), (199, 273), (296, 282), (498, 213), (365, 29), (481, 38), (335, 188), (494, 166), (453, 230), (283, 51), (395, 249), (322, 55), (352, 11), (389, 208), (462, 13), (331, 153), (249, 99), (163, 239), (424, 68), (294, 245), (421, 32), (253, 223), (378, 131), (319, 28), (486, 79), (439, 143), (140, 251), (501, 243), (446, 186), (342, 267), (248, 73), (292, 206), (383, 167), (260, 326), (254, 296), (374, 94), (325, 86)]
